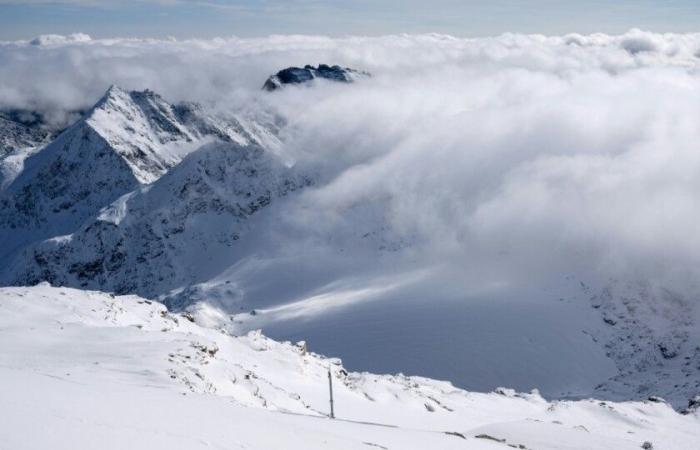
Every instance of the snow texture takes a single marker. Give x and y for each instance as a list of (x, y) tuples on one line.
[(98, 370)]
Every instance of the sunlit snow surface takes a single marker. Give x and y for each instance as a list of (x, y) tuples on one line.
[(81, 369)]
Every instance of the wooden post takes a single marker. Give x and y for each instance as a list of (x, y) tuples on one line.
[(330, 389)]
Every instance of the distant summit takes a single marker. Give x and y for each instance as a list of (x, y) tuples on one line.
[(297, 75)]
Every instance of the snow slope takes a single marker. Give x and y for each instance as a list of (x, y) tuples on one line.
[(14, 135), (54, 193), (17, 142), (97, 370), (152, 135), (652, 334)]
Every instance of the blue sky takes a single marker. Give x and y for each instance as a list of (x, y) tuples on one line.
[(20, 19)]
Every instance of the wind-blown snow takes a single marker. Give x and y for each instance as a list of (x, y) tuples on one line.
[(106, 371)]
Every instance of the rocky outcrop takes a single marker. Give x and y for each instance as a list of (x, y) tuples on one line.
[(651, 335), (297, 75)]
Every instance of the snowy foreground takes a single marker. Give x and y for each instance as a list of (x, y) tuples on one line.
[(82, 369)]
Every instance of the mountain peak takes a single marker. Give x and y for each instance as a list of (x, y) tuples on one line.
[(126, 140), (114, 90), (306, 74), (143, 128), (153, 135), (116, 96), (113, 93)]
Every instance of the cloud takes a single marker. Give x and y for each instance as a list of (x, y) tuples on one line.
[(57, 39), (508, 161)]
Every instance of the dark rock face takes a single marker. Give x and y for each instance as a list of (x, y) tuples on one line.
[(297, 75), (651, 338), (14, 135)]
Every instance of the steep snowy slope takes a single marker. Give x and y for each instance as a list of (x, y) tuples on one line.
[(177, 231), (14, 135), (60, 186), (152, 135), (653, 336), (17, 142), (106, 371), (128, 139)]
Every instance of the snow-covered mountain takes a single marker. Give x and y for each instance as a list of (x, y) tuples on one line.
[(17, 142), (152, 135), (103, 371), (14, 135), (177, 231), (517, 215), (127, 140), (196, 209)]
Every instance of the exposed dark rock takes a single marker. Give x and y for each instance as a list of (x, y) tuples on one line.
[(489, 437), (610, 321), (298, 75), (667, 352), (454, 433), (693, 405)]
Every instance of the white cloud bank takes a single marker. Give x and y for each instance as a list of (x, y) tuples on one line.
[(509, 159)]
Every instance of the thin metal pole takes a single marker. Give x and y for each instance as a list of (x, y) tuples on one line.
[(330, 388)]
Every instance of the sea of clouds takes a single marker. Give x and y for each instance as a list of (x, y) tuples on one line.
[(507, 161)]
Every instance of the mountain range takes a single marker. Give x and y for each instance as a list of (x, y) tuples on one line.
[(199, 210)]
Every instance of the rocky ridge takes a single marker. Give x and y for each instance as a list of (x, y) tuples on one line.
[(308, 73)]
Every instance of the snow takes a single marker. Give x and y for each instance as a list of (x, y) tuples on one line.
[(13, 164), (652, 335), (17, 143), (434, 207), (52, 195), (116, 212), (480, 211), (147, 240), (152, 135), (98, 370), (139, 125), (223, 229), (127, 140)]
